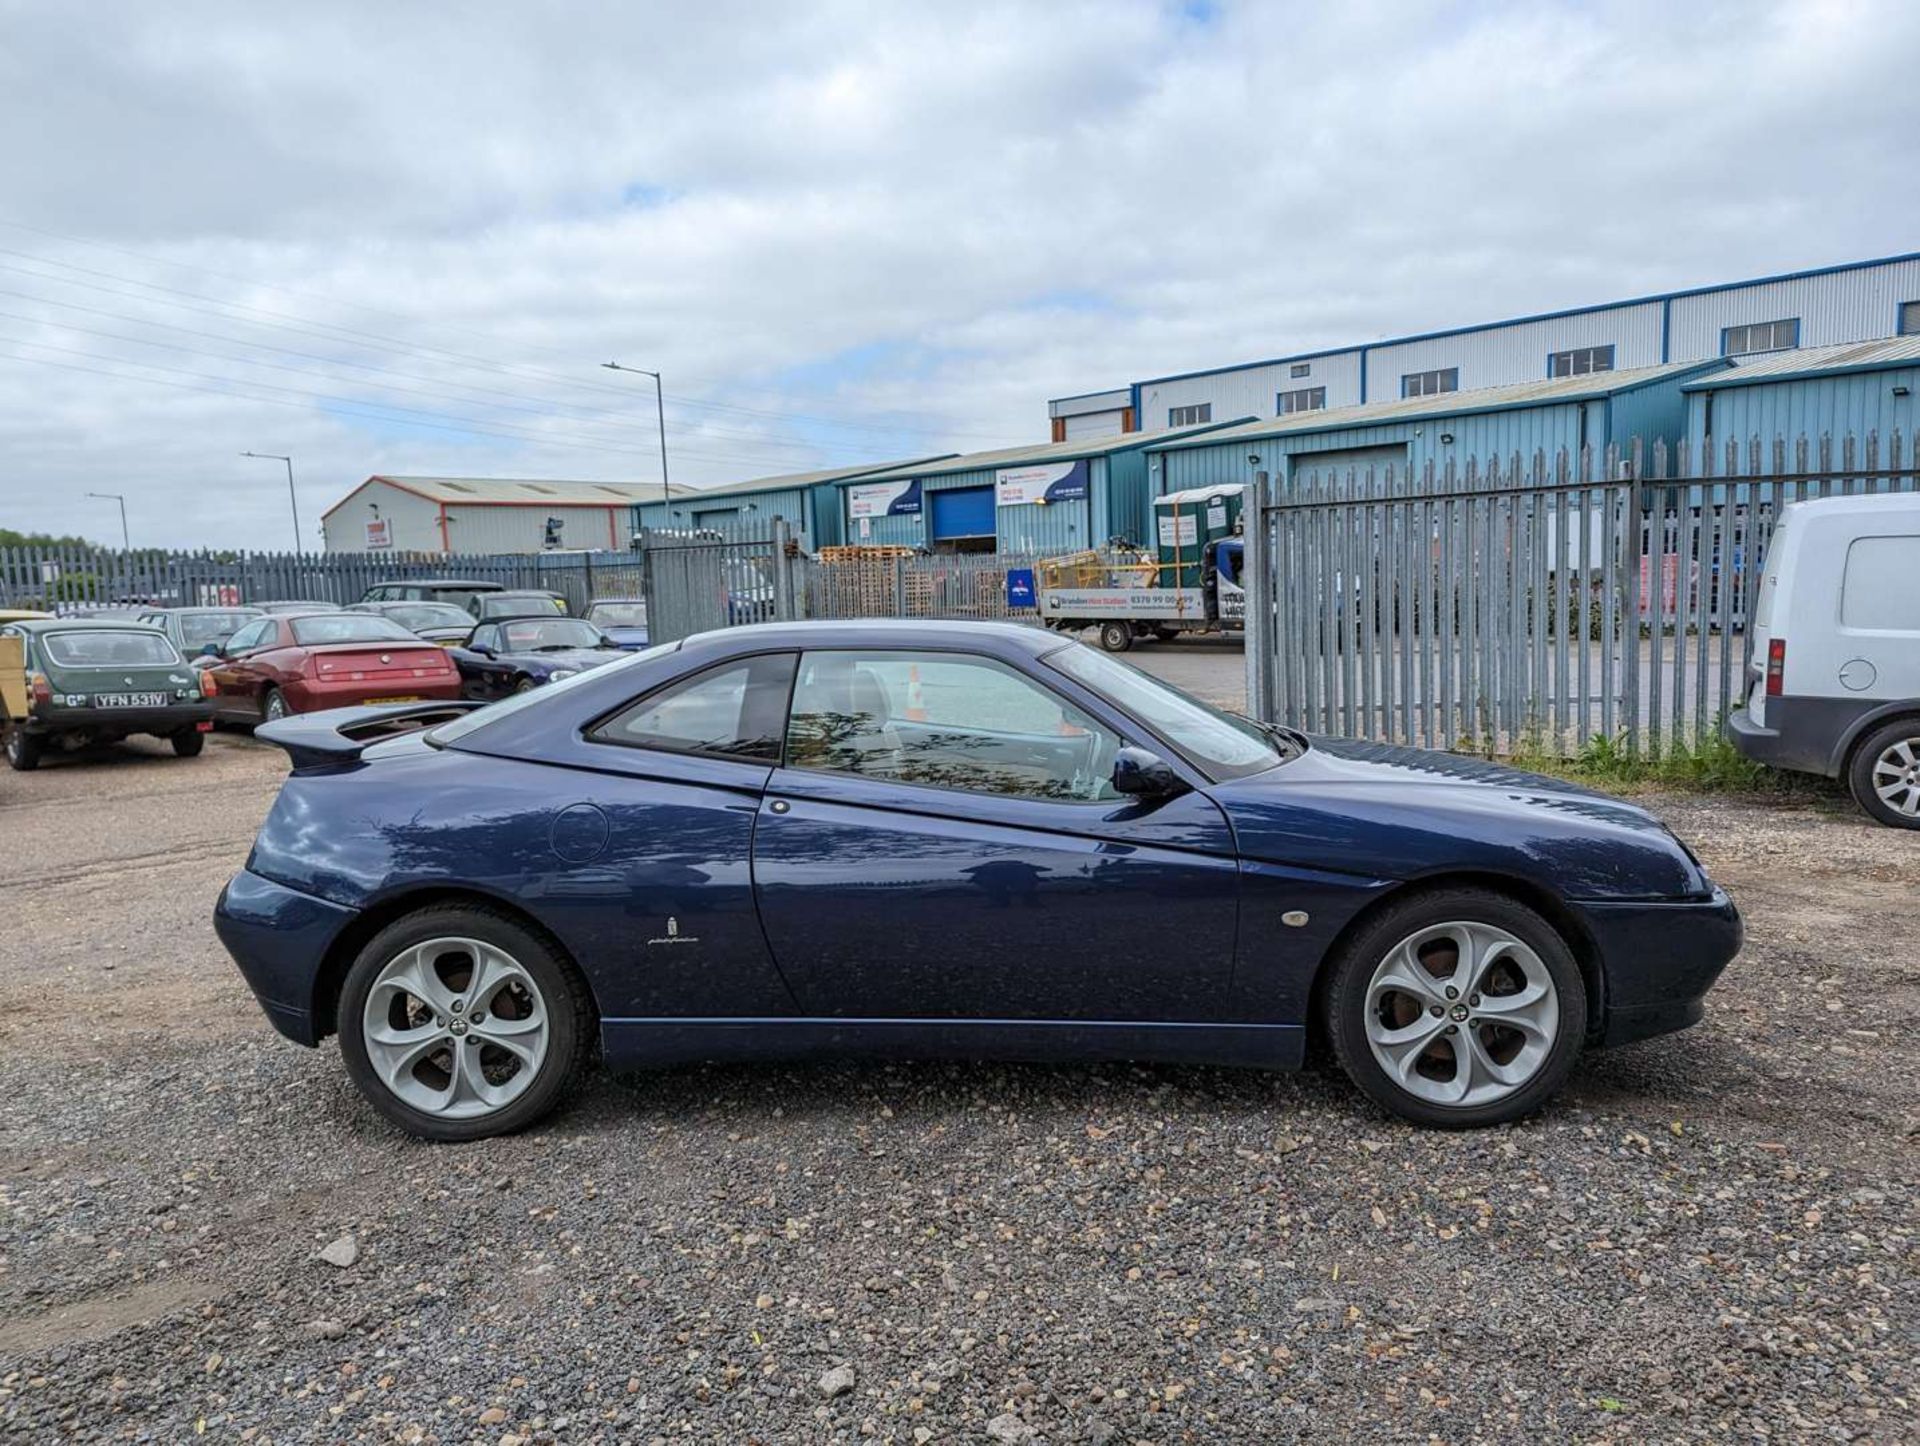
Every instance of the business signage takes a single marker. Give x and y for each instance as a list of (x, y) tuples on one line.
[(1055, 482), (883, 499), (379, 534)]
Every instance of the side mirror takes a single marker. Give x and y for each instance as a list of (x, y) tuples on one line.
[(1144, 775), (480, 650), (212, 650)]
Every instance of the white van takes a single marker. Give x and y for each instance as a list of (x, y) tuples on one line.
[(1835, 683)]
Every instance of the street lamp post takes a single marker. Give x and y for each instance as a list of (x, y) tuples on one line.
[(660, 408), (126, 544), (292, 498)]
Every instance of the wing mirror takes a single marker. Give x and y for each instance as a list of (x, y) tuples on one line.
[(1144, 775), (213, 650), (481, 649)]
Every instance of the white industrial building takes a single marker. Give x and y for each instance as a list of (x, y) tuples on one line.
[(484, 515), (1858, 301)]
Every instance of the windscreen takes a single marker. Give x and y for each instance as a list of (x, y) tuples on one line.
[(516, 604), (618, 614), (315, 632), (199, 629), (1223, 744), (429, 615), (533, 635), (110, 649)]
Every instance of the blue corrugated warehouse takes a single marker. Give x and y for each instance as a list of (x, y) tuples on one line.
[(809, 502), (1565, 413), (1830, 391), (1047, 498)]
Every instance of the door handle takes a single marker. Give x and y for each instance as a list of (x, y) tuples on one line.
[(779, 805)]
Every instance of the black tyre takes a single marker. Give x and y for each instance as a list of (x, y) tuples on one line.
[(1457, 1008), (458, 1022), (189, 743), (274, 706), (1116, 637), (24, 750), (525, 685), (1884, 774)]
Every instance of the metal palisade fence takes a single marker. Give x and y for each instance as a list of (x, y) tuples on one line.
[(1503, 604), (63, 579)]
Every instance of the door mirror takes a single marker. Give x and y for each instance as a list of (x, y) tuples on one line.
[(212, 650), (1144, 775), (480, 650)]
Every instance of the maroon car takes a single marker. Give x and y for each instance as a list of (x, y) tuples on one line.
[(307, 661)]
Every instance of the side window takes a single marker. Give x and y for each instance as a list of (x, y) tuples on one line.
[(249, 637), (736, 709), (487, 637), (1878, 594), (946, 720)]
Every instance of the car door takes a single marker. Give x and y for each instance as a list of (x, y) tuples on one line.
[(238, 673), (943, 841), (484, 675)]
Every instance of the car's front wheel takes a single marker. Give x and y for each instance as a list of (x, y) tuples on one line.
[(459, 1022), (1884, 776), (1457, 1008)]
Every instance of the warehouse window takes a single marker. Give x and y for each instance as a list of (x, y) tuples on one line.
[(1301, 369), (1760, 336), (1307, 399), (1430, 384), (1910, 318), (1580, 361), (1190, 416)]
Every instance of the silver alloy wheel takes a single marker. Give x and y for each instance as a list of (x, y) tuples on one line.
[(455, 1028), (276, 706), (1896, 776), (1461, 1014)]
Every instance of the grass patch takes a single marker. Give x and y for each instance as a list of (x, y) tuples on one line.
[(1711, 765)]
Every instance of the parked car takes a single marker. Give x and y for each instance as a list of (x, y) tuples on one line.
[(624, 619), (459, 591), (278, 665), (281, 606), (437, 622), (486, 607), (900, 837), (1834, 687), (516, 655), (199, 632), (99, 681)]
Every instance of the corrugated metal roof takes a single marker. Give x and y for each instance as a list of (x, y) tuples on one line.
[(1547, 391), (1068, 451), (790, 481), (479, 491), (1815, 361)]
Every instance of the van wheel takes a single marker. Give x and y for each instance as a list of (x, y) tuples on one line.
[(1116, 637), (1885, 774)]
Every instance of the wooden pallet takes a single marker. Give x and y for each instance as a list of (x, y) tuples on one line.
[(864, 552)]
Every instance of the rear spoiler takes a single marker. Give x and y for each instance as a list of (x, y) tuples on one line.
[(340, 735)]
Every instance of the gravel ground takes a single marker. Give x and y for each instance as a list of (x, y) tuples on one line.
[(1710, 1235)]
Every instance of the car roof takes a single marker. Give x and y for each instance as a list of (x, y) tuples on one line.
[(595, 602), (442, 582), (206, 608), (114, 625), (1861, 502), (883, 633)]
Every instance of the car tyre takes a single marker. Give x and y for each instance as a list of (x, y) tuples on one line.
[(1884, 774), (24, 750), (189, 742), (525, 685), (1517, 1018), (274, 707), (555, 994), (1116, 637)]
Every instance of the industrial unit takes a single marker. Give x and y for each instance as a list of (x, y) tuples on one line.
[(809, 502), (1049, 498), (1596, 410), (1834, 391), (482, 515), (1858, 301)]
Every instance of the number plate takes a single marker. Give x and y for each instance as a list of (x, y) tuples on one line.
[(131, 700), (410, 699)]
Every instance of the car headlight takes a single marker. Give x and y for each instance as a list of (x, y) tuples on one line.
[(558, 673)]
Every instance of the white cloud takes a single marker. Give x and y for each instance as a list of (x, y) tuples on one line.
[(926, 218)]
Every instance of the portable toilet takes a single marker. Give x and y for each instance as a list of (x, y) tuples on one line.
[(1185, 522)]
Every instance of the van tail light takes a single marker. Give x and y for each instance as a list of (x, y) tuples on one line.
[(1776, 666), (41, 688), (209, 686)]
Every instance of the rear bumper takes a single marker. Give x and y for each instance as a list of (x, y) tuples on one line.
[(1657, 962), (1797, 742), (280, 938), (311, 697), (159, 721)]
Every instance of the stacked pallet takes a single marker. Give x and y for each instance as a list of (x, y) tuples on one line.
[(859, 580)]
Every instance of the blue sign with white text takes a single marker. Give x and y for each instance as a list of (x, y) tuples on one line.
[(1020, 588)]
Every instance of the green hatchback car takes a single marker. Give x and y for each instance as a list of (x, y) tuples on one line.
[(101, 680)]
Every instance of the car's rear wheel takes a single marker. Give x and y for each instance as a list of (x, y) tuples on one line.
[(24, 750), (1116, 637), (1885, 774), (274, 705), (1458, 1008), (459, 1022), (189, 742)]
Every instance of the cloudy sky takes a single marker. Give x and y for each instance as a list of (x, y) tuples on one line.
[(400, 237)]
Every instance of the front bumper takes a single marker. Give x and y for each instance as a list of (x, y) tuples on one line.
[(1657, 962), (281, 938), (161, 722)]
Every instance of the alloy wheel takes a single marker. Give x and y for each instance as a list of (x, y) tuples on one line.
[(1896, 776), (276, 706), (1461, 1014), (456, 1028)]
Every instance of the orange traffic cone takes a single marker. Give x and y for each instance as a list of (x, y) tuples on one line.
[(916, 701)]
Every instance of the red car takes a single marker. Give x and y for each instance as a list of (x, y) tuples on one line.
[(307, 661)]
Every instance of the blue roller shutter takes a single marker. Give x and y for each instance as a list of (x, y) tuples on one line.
[(963, 512)]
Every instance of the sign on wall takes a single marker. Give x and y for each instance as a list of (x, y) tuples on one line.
[(1054, 482), (1179, 529), (379, 533), (883, 499)]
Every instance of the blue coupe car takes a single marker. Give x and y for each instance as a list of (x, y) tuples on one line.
[(940, 839)]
